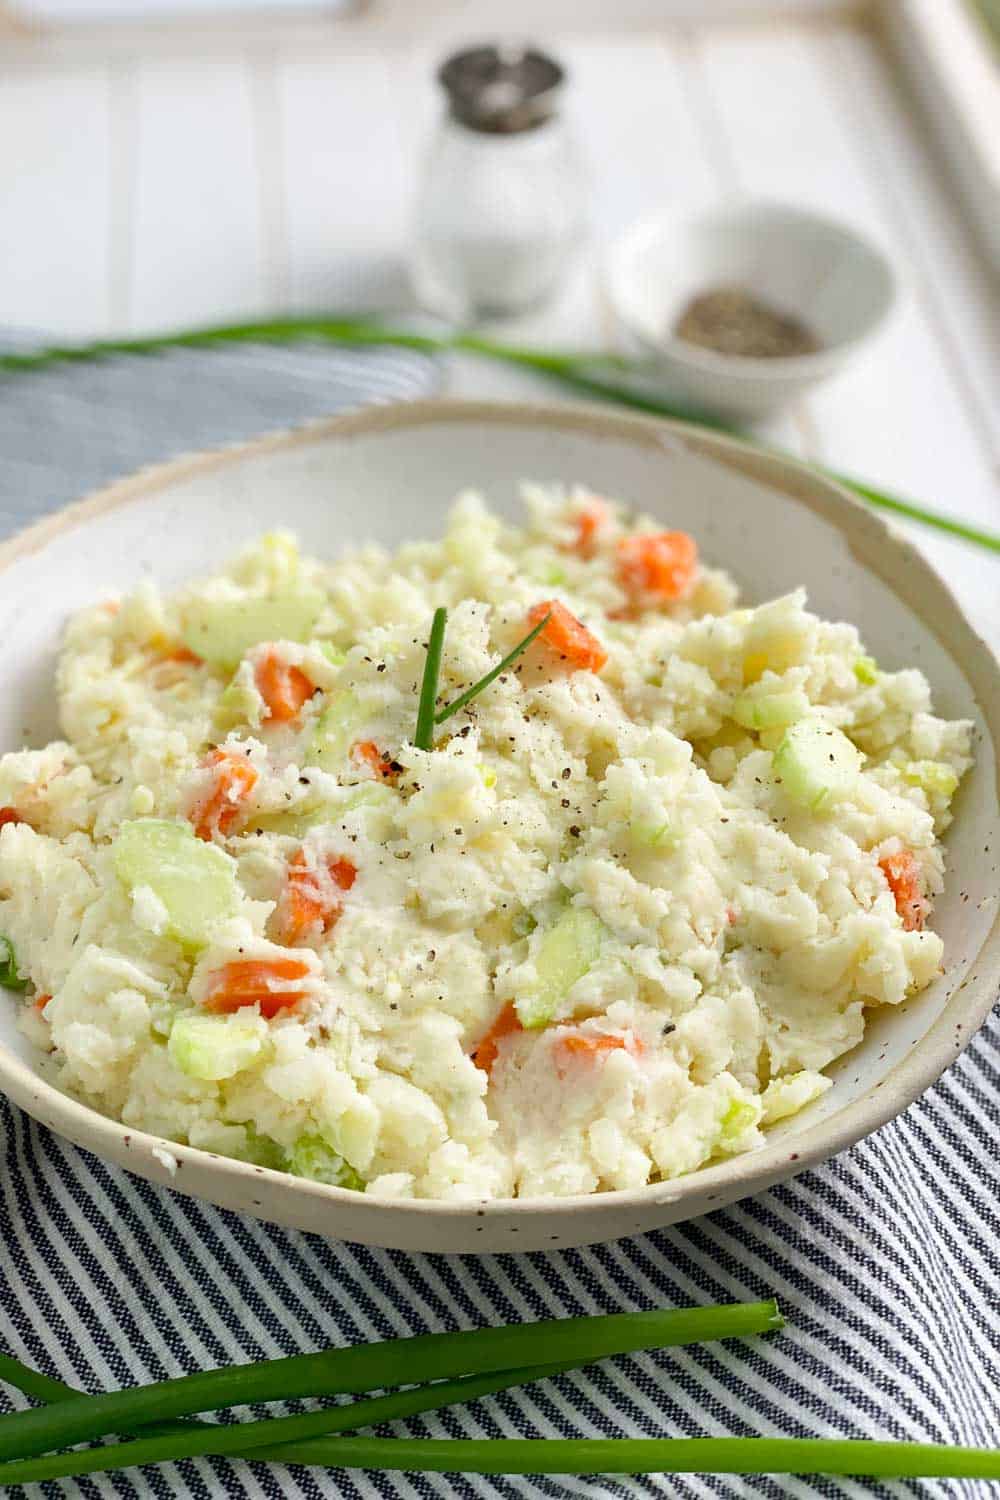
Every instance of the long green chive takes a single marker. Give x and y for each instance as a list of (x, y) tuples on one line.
[(565, 1456), (607, 376), (424, 735), (707, 1455), (32, 1382), (394, 1362), (273, 1439), (493, 674)]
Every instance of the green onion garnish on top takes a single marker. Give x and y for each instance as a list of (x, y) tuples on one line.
[(492, 674), (427, 717), (424, 736)]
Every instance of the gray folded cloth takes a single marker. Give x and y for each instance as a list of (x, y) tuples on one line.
[(68, 429)]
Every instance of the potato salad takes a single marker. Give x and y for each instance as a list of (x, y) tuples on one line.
[(636, 891)]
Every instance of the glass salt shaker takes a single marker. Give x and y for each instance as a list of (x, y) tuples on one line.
[(501, 208)]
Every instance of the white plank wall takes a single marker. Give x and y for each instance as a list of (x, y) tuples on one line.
[(347, 169), (147, 193), (55, 201), (197, 244)]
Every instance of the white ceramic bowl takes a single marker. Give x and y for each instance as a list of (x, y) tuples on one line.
[(821, 271), (390, 473)]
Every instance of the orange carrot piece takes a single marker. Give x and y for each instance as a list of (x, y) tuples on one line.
[(568, 636), (267, 982), (903, 876), (10, 815), (367, 753), (591, 1046), (41, 1001), (659, 565), (219, 809), (183, 656), (588, 523), (284, 688), (307, 907), (507, 1023)]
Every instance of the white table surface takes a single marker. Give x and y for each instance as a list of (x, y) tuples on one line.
[(148, 183)]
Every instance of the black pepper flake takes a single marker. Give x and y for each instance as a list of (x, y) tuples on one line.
[(668, 1028), (380, 667), (566, 773), (575, 830), (564, 802)]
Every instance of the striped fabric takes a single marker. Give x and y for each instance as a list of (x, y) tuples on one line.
[(886, 1262), (104, 420)]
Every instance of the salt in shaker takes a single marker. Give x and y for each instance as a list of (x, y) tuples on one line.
[(501, 207)]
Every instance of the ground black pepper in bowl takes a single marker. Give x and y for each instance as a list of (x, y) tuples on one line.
[(732, 320)]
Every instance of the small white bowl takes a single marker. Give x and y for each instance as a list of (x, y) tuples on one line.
[(806, 265)]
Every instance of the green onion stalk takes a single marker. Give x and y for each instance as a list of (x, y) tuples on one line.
[(368, 1367), (602, 375), (289, 1440)]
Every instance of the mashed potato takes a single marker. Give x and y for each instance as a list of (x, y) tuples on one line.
[(638, 895)]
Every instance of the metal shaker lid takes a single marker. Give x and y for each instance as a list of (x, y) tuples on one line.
[(501, 89)]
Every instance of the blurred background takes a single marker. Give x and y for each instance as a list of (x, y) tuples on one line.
[(172, 163)]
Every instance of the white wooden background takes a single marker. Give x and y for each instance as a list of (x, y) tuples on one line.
[(148, 187)]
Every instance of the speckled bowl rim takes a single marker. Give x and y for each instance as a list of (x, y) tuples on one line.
[(880, 547)]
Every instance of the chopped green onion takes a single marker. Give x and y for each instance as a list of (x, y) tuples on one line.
[(493, 674), (424, 736), (409, 1361), (10, 976)]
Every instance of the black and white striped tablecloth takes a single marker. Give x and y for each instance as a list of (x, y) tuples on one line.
[(886, 1261)]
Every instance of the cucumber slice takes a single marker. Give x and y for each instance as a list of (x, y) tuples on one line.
[(866, 670), (565, 954), (215, 1047), (223, 630), (311, 1157), (239, 704), (770, 710), (333, 653), (653, 834), (741, 1115), (195, 881), (11, 977), (816, 763), (936, 777), (297, 822), (338, 727)]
